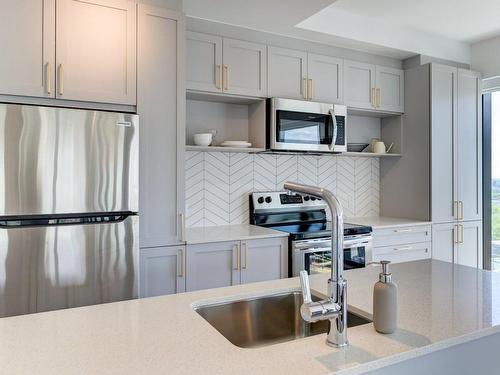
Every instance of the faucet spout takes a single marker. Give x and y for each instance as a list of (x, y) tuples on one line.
[(334, 307)]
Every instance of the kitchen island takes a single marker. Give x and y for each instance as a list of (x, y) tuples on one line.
[(440, 305)]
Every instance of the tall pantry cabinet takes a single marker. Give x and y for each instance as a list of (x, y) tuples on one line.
[(439, 177), (161, 107)]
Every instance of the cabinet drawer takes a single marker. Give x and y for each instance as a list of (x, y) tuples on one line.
[(403, 253), (401, 235)]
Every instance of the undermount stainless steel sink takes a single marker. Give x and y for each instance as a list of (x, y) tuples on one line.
[(266, 320)]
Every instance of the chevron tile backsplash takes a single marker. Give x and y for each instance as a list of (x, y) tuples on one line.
[(218, 183)]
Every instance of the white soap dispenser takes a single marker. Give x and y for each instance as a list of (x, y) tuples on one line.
[(385, 302)]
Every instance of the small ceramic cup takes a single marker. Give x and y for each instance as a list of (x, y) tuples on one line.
[(203, 139)]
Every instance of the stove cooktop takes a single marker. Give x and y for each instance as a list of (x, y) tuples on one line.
[(301, 231)]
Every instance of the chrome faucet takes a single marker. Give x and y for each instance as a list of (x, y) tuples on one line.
[(333, 308)]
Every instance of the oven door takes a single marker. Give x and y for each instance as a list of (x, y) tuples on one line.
[(306, 126), (314, 256)]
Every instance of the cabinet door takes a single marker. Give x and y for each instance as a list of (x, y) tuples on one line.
[(263, 260), (96, 56), (204, 62), (162, 271), (444, 238), (244, 69), (390, 82), (287, 70), (27, 42), (469, 249), (443, 104), (213, 265), (359, 80), (326, 73), (469, 150), (161, 107)]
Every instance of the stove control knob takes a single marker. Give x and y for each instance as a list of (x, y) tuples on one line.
[(269, 199), (313, 198), (260, 200), (306, 198)]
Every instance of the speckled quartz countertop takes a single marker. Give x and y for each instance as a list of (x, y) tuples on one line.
[(164, 335), (380, 222), (221, 233)]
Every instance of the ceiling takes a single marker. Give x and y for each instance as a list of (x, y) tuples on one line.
[(394, 28)]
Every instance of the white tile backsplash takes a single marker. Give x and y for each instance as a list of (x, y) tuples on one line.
[(218, 183)]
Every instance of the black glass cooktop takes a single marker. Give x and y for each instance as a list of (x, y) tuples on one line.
[(321, 229)]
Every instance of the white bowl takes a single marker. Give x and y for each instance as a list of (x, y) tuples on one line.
[(203, 139)]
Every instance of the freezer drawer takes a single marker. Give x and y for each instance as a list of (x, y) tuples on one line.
[(61, 266), (59, 161)]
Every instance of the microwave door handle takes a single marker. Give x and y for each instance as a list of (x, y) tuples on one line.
[(334, 136)]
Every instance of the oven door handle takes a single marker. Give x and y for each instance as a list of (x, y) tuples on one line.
[(334, 136)]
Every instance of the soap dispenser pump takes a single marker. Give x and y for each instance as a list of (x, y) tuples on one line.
[(385, 302)]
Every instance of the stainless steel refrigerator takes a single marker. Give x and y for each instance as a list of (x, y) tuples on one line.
[(68, 208)]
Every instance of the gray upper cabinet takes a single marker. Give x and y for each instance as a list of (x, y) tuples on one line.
[(287, 71), (204, 62), (96, 56), (94, 59), (213, 265), (161, 107), (27, 39), (263, 260), (390, 86), (443, 113), (325, 74), (244, 69), (162, 271), (469, 150), (359, 85), (373, 87), (456, 145), (226, 65)]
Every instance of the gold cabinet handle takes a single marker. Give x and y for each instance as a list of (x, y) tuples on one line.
[(236, 249), (182, 227), (461, 210), (244, 250), (455, 210), (403, 230), (225, 78), (218, 77), (60, 79), (373, 99), (406, 248), (379, 100), (304, 88), (461, 233), (180, 257), (310, 88), (455, 233), (48, 78)]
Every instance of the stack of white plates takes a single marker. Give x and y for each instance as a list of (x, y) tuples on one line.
[(239, 144)]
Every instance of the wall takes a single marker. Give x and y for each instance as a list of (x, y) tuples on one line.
[(486, 57), (218, 184)]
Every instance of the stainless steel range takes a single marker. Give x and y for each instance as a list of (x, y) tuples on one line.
[(305, 219)]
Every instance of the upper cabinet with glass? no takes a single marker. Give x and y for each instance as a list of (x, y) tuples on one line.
[(373, 87), (224, 65), (86, 52)]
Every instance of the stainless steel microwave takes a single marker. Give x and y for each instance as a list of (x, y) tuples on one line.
[(296, 125)]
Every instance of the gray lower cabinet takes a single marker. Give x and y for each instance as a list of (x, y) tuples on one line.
[(213, 265), (402, 243), (161, 109), (162, 271), (219, 264), (263, 260), (459, 243)]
